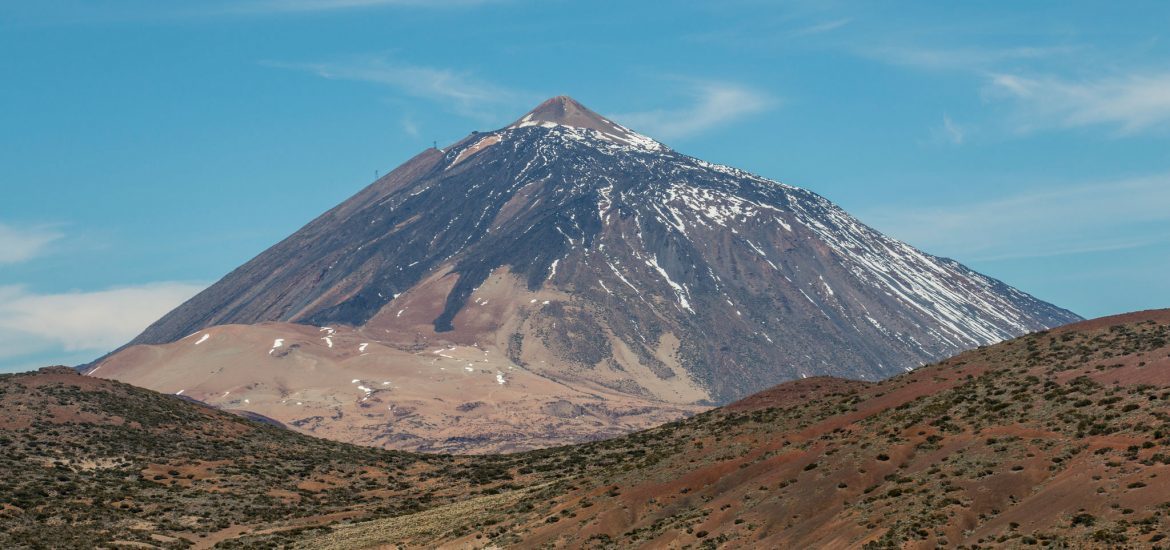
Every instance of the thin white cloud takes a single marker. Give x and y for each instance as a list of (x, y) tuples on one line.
[(822, 28), (951, 132), (1129, 103), (409, 126), (71, 322), (713, 104), (20, 244), (460, 90), (82, 11), (967, 59), (308, 6), (1072, 219)]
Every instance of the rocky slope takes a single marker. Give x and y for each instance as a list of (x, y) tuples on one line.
[(661, 253), (573, 249), (344, 385), (1059, 438), (92, 463)]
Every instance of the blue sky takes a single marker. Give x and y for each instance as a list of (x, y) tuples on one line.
[(148, 148)]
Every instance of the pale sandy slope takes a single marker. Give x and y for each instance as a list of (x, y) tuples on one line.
[(397, 384)]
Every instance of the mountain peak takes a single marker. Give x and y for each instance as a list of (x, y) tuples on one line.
[(566, 111), (561, 248), (563, 110)]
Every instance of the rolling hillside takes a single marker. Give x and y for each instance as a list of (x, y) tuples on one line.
[(1058, 438)]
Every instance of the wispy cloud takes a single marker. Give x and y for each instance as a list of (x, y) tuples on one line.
[(409, 126), (968, 59), (1041, 93), (460, 90), (276, 6), (713, 104), (821, 28), (20, 244), (1129, 103), (1073, 219), (71, 322), (951, 132), (83, 11)]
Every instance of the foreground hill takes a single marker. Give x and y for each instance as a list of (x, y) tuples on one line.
[(88, 462), (1059, 438), (606, 271)]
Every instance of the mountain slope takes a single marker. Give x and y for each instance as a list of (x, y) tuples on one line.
[(343, 385), (90, 462), (659, 269), (1059, 438)]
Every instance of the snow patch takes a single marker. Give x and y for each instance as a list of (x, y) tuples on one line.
[(679, 290), (553, 269)]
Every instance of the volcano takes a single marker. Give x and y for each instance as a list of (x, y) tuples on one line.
[(573, 251)]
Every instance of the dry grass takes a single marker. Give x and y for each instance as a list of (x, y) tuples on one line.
[(420, 529)]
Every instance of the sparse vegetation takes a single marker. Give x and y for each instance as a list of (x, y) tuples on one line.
[(959, 454)]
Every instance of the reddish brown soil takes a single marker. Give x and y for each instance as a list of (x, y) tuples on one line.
[(1060, 438)]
